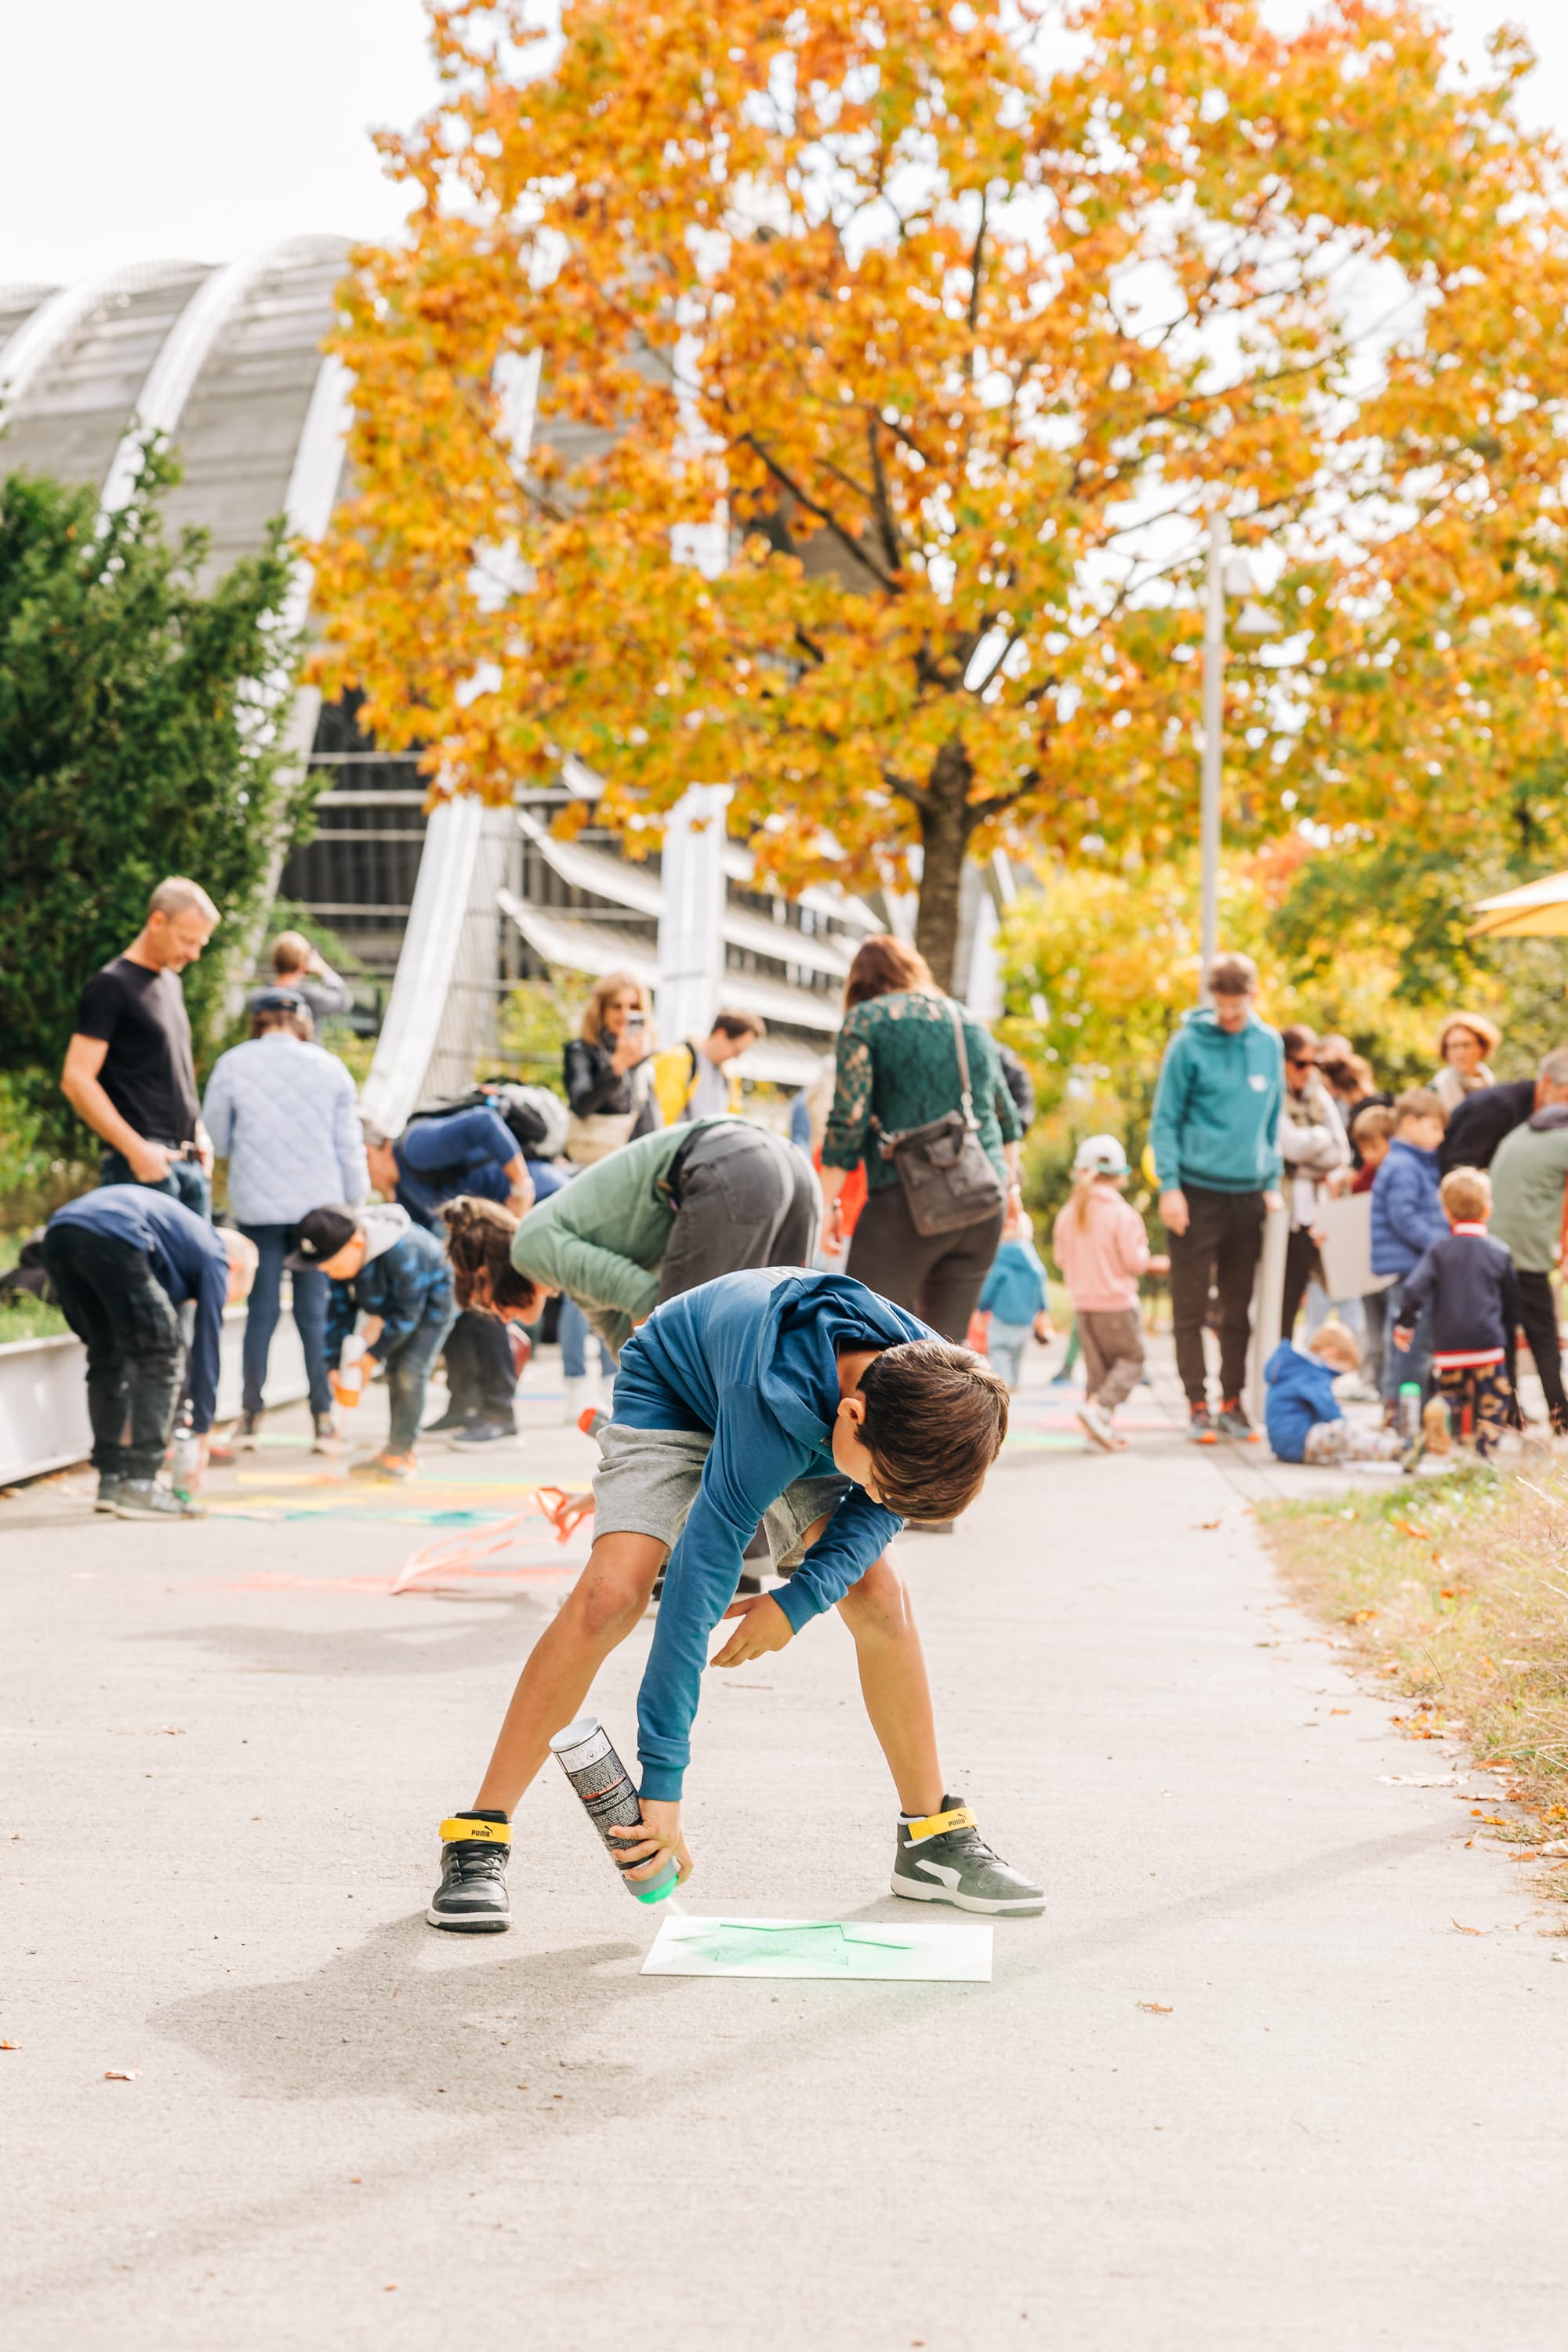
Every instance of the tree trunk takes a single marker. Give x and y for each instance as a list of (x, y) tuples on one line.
[(946, 823)]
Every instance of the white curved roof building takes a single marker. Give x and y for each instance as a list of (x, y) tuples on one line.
[(226, 359)]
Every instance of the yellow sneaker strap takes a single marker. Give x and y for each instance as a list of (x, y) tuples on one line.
[(937, 1824), (492, 1833)]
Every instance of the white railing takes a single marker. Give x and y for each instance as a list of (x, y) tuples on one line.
[(42, 1394)]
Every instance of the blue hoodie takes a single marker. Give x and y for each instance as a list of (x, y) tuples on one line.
[(1216, 1109), (753, 1358), (1300, 1394), (1406, 1211)]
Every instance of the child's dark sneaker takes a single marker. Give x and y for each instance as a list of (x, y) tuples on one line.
[(1201, 1430), (1233, 1421), (944, 1859), (484, 1432), (472, 1895), (246, 1432), (107, 1488)]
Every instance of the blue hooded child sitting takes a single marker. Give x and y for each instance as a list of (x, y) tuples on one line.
[(1302, 1414)]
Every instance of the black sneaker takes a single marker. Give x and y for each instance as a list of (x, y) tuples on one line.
[(472, 1895), (144, 1498), (246, 1432), (450, 1420), (950, 1861), (107, 1488), (484, 1432), (1233, 1421), (1201, 1430)]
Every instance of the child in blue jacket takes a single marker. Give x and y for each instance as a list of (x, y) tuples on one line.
[(1016, 1299), (383, 1266), (809, 1404), (1406, 1219), (1302, 1414)]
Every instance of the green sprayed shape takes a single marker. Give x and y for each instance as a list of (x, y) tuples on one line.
[(738, 1943)]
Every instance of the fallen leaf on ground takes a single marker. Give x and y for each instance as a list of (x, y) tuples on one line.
[(1469, 1931), (1409, 1528), (1338, 1710), (120, 2073), (1157, 2007), (10, 2045), (1211, 1523), (1419, 1779)]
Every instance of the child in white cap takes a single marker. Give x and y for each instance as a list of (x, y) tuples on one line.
[(1101, 1249)]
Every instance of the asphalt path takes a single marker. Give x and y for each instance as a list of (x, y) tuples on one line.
[(1281, 2065)]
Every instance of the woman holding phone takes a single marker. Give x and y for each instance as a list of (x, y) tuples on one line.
[(608, 1071)]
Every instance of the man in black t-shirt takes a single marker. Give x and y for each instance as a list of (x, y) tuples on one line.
[(128, 1069)]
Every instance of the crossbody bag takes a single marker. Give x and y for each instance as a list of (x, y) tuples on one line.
[(947, 1175)]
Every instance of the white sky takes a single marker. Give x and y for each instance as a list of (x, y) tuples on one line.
[(134, 129)]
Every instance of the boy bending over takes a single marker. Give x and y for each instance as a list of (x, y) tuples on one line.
[(807, 1403)]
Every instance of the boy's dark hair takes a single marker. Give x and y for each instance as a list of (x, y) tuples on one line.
[(935, 1419), (479, 1244), (1421, 1102), (736, 1022)]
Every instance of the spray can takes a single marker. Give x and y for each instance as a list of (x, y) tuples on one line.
[(1408, 1412), (601, 1780), (185, 1462), (348, 1381)]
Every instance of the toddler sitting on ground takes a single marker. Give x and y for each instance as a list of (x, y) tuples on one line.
[(1303, 1416)]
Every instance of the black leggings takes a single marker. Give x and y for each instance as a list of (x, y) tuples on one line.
[(938, 1276)]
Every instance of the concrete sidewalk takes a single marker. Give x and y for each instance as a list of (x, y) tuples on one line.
[(1244, 2085)]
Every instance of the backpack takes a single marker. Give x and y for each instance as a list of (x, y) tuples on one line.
[(536, 1117)]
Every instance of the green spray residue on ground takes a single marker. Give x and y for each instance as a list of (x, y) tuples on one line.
[(739, 1942)]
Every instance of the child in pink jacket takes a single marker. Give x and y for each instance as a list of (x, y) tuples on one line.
[(1101, 1249)]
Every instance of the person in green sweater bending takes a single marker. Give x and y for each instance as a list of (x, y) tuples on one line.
[(675, 1209)]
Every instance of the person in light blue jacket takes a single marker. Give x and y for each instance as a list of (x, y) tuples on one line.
[(283, 1112), (1406, 1219)]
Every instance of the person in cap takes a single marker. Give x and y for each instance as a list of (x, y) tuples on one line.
[(1102, 1251), (123, 1261), (380, 1264), (1014, 1298), (282, 1111)]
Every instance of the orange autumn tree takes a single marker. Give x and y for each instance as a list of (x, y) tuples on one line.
[(892, 356)]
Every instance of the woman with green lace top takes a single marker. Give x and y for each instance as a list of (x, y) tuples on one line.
[(898, 1067)]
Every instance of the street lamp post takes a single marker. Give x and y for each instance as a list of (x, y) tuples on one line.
[(1213, 727), (1224, 575)]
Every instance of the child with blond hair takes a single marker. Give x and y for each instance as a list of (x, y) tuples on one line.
[(1469, 1282), (1302, 1415), (1101, 1248), (1015, 1299)]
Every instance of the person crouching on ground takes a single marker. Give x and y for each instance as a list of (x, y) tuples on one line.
[(383, 1266), (1467, 1283), (1101, 1248), (123, 1261), (1406, 1219), (1303, 1416), (807, 1403), (1014, 1298)]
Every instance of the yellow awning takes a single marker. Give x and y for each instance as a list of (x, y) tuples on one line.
[(1539, 910)]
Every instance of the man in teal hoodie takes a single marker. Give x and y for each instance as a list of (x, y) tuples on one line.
[(1215, 1140)]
